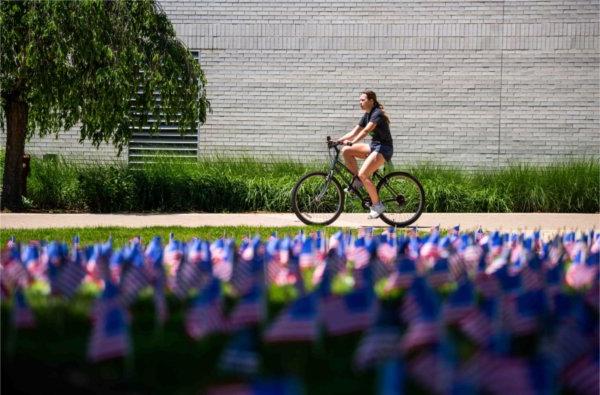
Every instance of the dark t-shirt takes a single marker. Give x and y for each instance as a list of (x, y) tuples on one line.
[(381, 134)]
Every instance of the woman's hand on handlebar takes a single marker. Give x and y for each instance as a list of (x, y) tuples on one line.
[(335, 143), (343, 142)]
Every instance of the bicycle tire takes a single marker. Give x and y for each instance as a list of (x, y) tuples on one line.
[(329, 209), (403, 196)]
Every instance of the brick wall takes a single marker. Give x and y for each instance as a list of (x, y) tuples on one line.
[(66, 144), (476, 84)]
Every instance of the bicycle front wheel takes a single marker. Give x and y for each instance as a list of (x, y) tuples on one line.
[(403, 197), (317, 200)]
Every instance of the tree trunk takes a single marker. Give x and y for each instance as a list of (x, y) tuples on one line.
[(16, 111)]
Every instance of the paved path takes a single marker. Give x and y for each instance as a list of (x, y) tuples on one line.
[(547, 223)]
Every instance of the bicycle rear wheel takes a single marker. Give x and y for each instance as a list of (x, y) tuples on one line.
[(316, 200), (403, 197)]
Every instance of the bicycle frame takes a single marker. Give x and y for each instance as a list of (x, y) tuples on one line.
[(390, 186), (337, 167)]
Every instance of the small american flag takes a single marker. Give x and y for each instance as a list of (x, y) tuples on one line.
[(173, 254), (486, 284), (430, 250), (133, 277), (297, 323), (359, 254), (206, 314), (22, 316), (440, 272), (510, 283), (307, 255), (567, 344), (153, 260), (71, 275), (272, 258), (499, 374), (223, 257), (325, 272), (33, 260), (250, 310), (523, 312), (249, 266), (97, 266), (404, 275), (110, 332), (387, 249), (419, 333), (432, 372), (477, 325), (382, 340), (349, 313), (582, 376), (194, 271), (15, 274), (579, 275), (460, 303)]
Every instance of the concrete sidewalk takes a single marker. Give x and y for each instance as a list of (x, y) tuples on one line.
[(548, 223)]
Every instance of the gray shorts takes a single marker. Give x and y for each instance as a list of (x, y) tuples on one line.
[(386, 150)]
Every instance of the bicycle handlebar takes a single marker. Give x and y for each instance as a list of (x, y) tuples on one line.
[(331, 143)]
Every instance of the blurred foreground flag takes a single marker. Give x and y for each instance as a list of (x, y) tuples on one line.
[(297, 323), (110, 333), (22, 316), (349, 313), (206, 315)]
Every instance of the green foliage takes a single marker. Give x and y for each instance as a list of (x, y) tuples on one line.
[(122, 236), (243, 185), (86, 61)]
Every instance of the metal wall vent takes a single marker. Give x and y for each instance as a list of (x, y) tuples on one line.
[(168, 141)]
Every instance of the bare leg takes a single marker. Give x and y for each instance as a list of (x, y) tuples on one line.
[(373, 162), (351, 153)]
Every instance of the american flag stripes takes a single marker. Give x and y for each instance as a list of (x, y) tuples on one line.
[(404, 274), (194, 270), (206, 314), (349, 313), (110, 332), (297, 323), (70, 276), (460, 303), (250, 309), (382, 340), (507, 286), (582, 376), (133, 277)]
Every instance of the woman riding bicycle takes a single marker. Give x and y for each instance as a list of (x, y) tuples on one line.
[(376, 123)]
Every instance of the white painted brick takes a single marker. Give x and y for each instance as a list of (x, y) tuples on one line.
[(281, 71)]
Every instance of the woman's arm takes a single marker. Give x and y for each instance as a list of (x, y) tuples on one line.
[(363, 133), (350, 135)]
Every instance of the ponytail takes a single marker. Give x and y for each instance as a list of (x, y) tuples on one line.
[(372, 96), (386, 118)]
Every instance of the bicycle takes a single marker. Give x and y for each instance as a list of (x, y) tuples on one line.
[(318, 197)]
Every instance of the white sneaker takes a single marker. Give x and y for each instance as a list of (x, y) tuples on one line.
[(376, 210)]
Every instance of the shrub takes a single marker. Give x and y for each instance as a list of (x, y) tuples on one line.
[(238, 185)]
